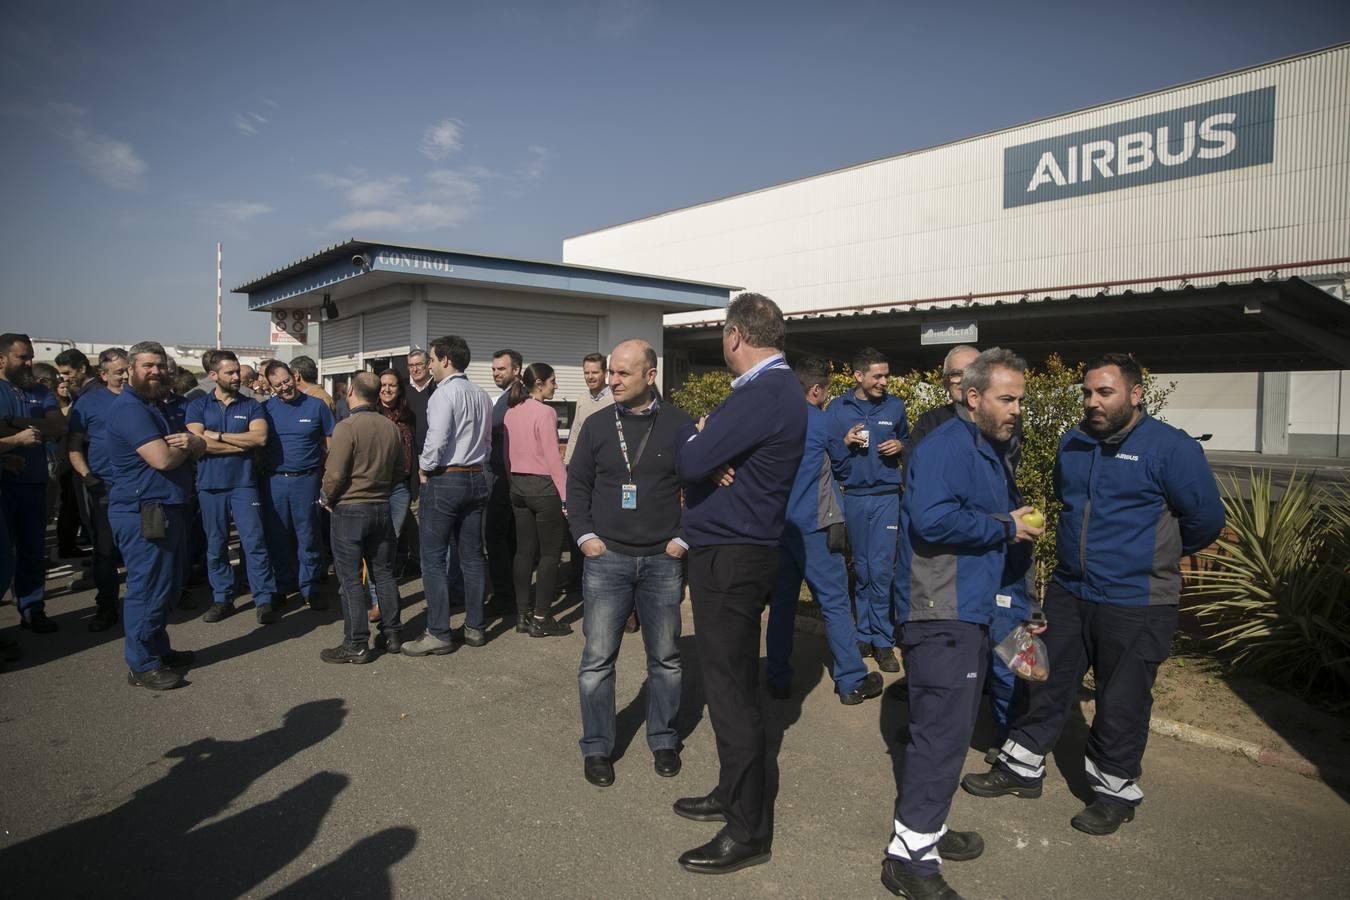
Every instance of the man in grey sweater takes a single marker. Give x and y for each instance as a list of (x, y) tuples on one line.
[(365, 461)]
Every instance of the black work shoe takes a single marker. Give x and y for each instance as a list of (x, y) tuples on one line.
[(868, 688), (317, 601), (160, 679), (991, 755), (997, 782), (886, 661), (523, 623), (700, 809), (666, 762), (266, 614), (178, 659), (902, 882), (959, 846), (218, 611), (1102, 817), (547, 626), (474, 637), (724, 854), (598, 770), (864, 649), (38, 623), (390, 642), (344, 654), (104, 618), (779, 691)]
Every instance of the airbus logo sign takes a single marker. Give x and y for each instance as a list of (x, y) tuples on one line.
[(1213, 136)]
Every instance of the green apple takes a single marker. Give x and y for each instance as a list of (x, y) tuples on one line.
[(1034, 518)]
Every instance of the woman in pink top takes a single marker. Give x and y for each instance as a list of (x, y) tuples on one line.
[(538, 496)]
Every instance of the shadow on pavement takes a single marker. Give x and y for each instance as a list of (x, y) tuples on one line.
[(154, 844), (297, 620)]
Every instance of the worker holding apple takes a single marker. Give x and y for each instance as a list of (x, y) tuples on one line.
[(959, 515), (1136, 496)]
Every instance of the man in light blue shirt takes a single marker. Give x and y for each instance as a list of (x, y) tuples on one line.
[(452, 469)]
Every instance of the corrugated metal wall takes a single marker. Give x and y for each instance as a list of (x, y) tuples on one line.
[(553, 338), (386, 330), (339, 343), (933, 223)]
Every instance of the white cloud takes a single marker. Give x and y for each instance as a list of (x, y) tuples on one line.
[(245, 125), (442, 139), (113, 162), (537, 164), (272, 103), (238, 212), (448, 198)]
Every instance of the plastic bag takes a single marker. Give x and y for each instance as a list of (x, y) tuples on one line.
[(1024, 654)]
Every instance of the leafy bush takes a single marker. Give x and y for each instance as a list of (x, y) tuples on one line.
[(1277, 588), (1053, 405)]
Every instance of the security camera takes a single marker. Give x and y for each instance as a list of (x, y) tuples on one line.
[(359, 261)]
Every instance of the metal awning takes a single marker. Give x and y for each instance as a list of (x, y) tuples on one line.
[(1262, 325)]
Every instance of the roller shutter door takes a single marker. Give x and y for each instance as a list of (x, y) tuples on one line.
[(386, 331), (557, 339), (339, 344)]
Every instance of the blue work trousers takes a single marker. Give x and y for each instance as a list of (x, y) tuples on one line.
[(23, 566), (451, 506), (1002, 682), (154, 582), (945, 662), (244, 506), (808, 556), (292, 527), (873, 532), (616, 584)]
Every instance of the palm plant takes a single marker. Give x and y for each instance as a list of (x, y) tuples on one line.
[(1276, 590)]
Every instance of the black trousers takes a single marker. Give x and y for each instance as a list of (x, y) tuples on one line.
[(540, 529), (94, 504), (729, 587), (499, 539), (67, 514), (1124, 645)]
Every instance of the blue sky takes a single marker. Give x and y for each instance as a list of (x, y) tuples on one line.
[(135, 135)]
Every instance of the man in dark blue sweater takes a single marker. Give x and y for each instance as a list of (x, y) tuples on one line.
[(738, 465), (623, 507)]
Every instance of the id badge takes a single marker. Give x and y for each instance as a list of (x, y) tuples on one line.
[(628, 496), (1003, 600)]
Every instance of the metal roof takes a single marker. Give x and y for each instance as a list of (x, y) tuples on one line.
[(352, 246)]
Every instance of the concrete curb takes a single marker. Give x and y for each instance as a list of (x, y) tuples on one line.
[(1262, 756)]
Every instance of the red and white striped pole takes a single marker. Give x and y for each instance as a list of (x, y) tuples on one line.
[(218, 257)]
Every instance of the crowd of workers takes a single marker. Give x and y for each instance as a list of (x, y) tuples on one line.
[(776, 486)]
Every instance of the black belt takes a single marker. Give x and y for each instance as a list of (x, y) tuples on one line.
[(297, 474), (441, 470)]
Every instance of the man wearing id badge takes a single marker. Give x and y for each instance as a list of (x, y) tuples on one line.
[(147, 508), (623, 504)]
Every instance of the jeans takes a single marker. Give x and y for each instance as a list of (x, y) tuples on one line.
[(540, 529), (24, 567), (616, 584), (452, 512), (243, 505), (809, 556), (400, 499), (154, 581), (364, 532)]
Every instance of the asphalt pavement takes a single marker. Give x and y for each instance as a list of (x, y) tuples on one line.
[(274, 774)]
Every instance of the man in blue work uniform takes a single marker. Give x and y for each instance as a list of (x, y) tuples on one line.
[(30, 419), (234, 428), (1137, 495), (815, 514), (737, 466), (298, 428), (874, 428), (957, 519), (87, 448), (147, 507)]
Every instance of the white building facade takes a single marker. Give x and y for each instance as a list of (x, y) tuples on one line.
[(1238, 180)]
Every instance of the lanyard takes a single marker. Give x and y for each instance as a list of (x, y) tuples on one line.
[(623, 444)]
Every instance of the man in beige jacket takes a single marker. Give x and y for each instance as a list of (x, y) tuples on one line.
[(365, 461)]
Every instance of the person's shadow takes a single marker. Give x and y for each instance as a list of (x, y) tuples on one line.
[(155, 845)]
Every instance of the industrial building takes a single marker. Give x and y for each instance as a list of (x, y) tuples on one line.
[(1204, 227)]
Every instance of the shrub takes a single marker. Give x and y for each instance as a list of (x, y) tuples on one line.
[(1277, 588)]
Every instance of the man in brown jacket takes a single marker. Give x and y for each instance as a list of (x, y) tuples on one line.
[(365, 461)]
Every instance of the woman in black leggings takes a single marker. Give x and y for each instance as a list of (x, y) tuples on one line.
[(538, 497)]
